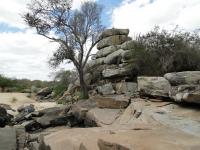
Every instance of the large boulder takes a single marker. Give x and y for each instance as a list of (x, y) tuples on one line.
[(112, 40), (24, 113), (44, 92), (113, 31), (101, 117), (97, 73), (128, 45), (31, 126), (114, 57), (153, 86), (128, 88), (78, 111), (186, 93), (53, 116), (106, 51), (112, 102), (186, 77), (118, 72), (96, 62), (5, 118), (106, 89), (127, 55), (26, 108)]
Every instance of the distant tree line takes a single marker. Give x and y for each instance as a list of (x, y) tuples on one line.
[(62, 79), (59, 84), (20, 85)]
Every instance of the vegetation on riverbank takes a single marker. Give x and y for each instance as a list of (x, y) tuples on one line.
[(161, 51)]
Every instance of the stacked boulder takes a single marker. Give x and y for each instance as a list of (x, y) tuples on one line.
[(185, 86), (112, 63), (178, 86)]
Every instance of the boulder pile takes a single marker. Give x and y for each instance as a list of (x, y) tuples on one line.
[(111, 61), (178, 86), (185, 86), (112, 71), (111, 67)]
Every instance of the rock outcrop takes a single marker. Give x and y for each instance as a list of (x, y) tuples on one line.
[(179, 86), (5, 118), (185, 77), (149, 130), (110, 62), (106, 89), (185, 86), (154, 86), (112, 102), (186, 93)]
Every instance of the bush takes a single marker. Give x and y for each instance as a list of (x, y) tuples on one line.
[(14, 100), (162, 51), (62, 79), (5, 82), (59, 88)]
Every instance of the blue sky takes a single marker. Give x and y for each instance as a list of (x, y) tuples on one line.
[(24, 54), (4, 27), (108, 7)]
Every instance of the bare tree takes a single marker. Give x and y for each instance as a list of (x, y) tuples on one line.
[(74, 30)]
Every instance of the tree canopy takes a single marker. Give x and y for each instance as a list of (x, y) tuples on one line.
[(76, 31)]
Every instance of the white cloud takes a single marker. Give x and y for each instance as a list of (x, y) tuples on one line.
[(142, 15), (11, 10), (25, 55)]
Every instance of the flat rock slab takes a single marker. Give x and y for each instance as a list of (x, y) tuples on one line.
[(8, 139), (184, 124), (112, 102), (101, 117), (158, 139)]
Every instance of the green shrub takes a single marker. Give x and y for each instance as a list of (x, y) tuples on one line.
[(5, 82), (162, 51), (59, 89), (14, 100)]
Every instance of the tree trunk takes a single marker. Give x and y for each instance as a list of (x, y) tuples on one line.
[(83, 85), (3, 89)]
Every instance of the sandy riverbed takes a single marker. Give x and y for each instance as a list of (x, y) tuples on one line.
[(16, 100)]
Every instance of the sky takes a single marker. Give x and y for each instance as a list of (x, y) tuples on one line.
[(24, 54)]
